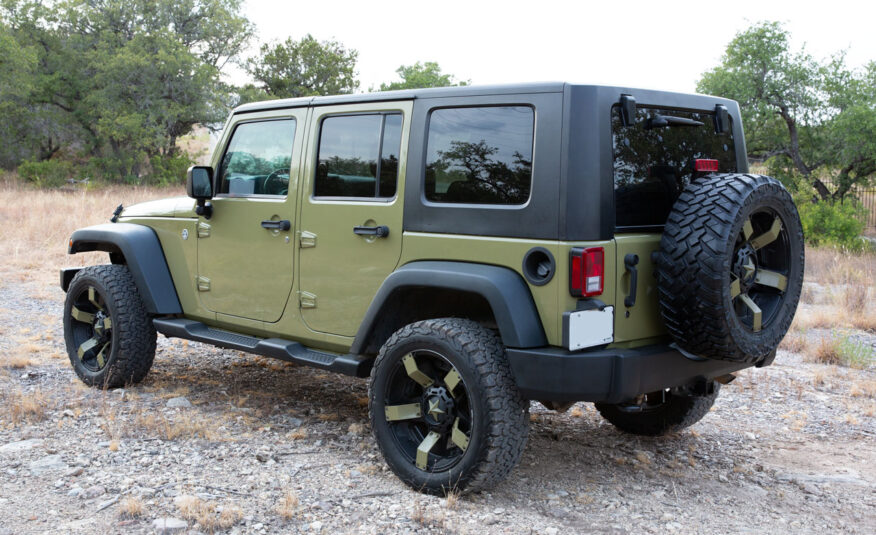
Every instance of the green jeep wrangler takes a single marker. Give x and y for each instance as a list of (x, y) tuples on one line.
[(470, 249)]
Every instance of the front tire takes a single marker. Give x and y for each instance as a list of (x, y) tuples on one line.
[(109, 336), (444, 408), (659, 413)]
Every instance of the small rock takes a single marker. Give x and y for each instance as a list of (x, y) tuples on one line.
[(75, 492), (168, 524), (258, 525), (21, 445), (551, 531), (263, 457), (723, 479), (75, 471), (750, 436), (93, 492), (178, 403), (48, 463), (667, 517), (316, 525)]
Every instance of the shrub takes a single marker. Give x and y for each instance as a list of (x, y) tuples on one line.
[(169, 170), (47, 173), (832, 223)]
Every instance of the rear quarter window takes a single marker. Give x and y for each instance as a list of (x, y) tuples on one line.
[(480, 155), (653, 164)]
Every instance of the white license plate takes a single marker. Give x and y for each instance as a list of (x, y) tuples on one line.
[(588, 328)]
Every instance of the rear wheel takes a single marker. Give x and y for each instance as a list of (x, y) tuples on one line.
[(110, 338), (659, 413), (444, 408)]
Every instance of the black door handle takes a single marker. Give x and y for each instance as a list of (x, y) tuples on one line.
[(282, 224), (381, 232), (630, 262)]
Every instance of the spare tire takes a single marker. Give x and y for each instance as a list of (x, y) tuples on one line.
[(730, 267)]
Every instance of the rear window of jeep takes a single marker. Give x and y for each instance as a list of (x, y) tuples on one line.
[(480, 155), (654, 160)]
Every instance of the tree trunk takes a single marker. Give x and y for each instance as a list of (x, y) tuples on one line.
[(794, 154)]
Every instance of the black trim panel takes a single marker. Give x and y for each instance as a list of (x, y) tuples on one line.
[(608, 375), (505, 291), (67, 275), (143, 255)]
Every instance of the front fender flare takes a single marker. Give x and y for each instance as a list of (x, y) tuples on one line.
[(143, 255), (507, 294)]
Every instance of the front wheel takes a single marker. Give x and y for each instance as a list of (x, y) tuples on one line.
[(444, 408), (109, 336)]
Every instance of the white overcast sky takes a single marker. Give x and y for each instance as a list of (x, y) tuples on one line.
[(650, 44)]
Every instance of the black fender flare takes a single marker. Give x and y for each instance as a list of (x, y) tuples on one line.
[(143, 255), (504, 289)]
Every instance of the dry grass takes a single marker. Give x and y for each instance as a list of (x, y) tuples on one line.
[(863, 388), (208, 515), (19, 406), (131, 507), (36, 224), (16, 362), (289, 506), (828, 266), (178, 426), (841, 350), (794, 342)]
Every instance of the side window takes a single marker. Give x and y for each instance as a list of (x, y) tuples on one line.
[(358, 156), (480, 155), (258, 159)]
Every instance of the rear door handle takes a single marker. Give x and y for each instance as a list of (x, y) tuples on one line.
[(282, 224), (630, 262), (381, 232)]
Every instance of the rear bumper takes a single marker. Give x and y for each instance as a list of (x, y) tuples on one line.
[(608, 375)]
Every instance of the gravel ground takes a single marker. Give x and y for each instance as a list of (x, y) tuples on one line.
[(220, 441)]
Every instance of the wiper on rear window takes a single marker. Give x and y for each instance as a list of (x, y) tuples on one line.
[(659, 121)]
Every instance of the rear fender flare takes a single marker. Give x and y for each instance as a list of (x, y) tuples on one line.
[(504, 289)]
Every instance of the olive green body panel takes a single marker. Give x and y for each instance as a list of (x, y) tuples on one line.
[(340, 272), (171, 207), (642, 321), (181, 256), (551, 299), (245, 270)]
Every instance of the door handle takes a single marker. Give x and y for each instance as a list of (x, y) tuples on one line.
[(630, 262), (381, 232), (282, 224)]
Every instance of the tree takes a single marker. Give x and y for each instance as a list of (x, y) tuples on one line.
[(800, 115), (300, 69), (123, 79), (422, 75)]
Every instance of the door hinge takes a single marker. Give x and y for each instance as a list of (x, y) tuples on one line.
[(307, 299), (306, 239), (203, 230), (203, 284)]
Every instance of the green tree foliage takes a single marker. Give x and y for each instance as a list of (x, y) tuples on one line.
[(800, 115), (116, 82), (422, 75), (303, 68)]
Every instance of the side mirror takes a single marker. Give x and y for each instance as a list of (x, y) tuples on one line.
[(199, 186), (199, 182), (628, 110)]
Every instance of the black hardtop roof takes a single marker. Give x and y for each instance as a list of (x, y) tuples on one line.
[(462, 91)]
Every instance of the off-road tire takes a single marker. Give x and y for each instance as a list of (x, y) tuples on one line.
[(677, 413), (695, 259), (132, 348), (500, 414)]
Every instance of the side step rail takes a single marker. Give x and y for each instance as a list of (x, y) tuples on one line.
[(356, 365)]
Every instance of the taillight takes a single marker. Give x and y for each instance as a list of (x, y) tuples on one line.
[(706, 166), (587, 271)]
